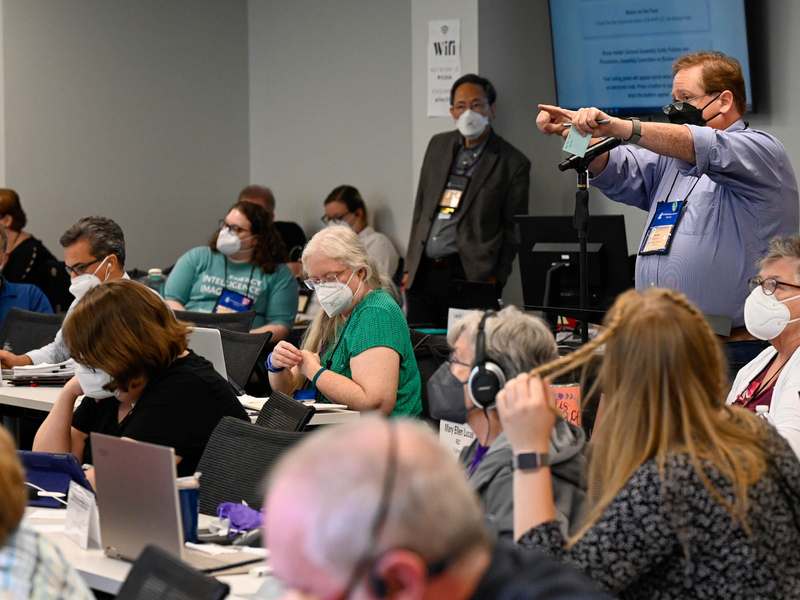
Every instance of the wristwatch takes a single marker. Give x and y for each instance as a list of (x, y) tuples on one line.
[(637, 131), (531, 460)]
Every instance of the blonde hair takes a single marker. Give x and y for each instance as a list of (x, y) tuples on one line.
[(664, 378), (340, 244), (13, 496)]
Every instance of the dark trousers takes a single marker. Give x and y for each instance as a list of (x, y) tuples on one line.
[(429, 299)]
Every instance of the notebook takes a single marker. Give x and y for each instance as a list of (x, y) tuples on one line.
[(137, 500), (207, 343)]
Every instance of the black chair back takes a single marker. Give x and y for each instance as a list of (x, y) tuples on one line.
[(158, 574), (237, 458), (284, 413), (241, 352), (23, 330), (236, 321)]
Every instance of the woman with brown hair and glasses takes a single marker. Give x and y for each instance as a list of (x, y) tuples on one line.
[(770, 383), (242, 268), (139, 379), (691, 498)]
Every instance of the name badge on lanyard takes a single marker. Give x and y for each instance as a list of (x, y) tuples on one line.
[(659, 234), (454, 191), (231, 302)]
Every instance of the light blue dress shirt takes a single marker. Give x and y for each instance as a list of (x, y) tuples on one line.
[(746, 194)]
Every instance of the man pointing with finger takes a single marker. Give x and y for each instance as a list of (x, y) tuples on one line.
[(716, 190)]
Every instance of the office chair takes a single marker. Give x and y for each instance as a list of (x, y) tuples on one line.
[(284, 413), (236, 459), (237, 321), (241, 352), (158, 574), (23, 330)]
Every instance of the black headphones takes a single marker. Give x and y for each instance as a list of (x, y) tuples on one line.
[(486, 378)]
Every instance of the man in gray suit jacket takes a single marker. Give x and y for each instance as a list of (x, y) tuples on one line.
[(471, 185)]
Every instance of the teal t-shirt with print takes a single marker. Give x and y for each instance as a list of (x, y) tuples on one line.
[(378, 321), (199, 276)]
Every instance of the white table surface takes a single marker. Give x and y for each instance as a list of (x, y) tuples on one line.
[(107, 574), (43, 398)]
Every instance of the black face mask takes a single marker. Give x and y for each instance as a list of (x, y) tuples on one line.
[(688, 114), (446, 396)]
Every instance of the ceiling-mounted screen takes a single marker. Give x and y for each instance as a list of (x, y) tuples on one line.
[(617, 54)]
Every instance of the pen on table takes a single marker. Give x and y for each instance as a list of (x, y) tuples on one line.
[(600, 122)]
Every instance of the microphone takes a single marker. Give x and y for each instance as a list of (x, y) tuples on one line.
[(601, 147)]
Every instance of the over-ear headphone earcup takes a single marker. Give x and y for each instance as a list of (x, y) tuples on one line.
[(484, 382), (378, 584)]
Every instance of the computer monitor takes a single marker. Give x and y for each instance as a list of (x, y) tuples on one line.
[(549, 260)]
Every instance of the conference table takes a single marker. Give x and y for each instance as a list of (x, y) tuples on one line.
[(43, 397), (106, 574)]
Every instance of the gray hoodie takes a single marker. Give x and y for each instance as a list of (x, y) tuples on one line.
[(493, 478)]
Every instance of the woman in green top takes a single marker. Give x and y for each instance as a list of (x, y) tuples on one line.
[(357, 350)]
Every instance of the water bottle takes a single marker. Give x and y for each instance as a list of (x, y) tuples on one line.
[(155, 281)]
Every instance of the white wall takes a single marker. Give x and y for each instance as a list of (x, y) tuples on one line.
[(330, 104), (133, 110)]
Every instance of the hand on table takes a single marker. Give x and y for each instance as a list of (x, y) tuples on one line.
[(527, 411), (9, 360)]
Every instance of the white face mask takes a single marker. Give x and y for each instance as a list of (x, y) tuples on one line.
[(83, 283), (335, 297), (92, 382), (765, 316), (229, 243), (471, 124)]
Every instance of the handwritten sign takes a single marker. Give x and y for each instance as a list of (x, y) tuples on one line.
[(568, 401)]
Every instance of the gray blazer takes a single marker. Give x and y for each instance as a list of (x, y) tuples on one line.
[(498, 190)]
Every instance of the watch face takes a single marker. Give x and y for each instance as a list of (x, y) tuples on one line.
[(532, 460)]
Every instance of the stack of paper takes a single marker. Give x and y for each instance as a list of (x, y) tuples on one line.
[(46, 374)]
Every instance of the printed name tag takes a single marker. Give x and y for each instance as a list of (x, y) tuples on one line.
[(659, 234), (454, 190)]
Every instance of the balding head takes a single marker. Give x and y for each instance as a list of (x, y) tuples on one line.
[(325, 494)]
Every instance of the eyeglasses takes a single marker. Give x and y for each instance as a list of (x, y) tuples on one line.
[(454, 361), (678, 104), (313, 282), (475, 106), (234, 229), (80, 268), (326, 219), (769, 285)]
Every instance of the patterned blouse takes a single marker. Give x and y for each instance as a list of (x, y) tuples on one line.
[(672, 539)]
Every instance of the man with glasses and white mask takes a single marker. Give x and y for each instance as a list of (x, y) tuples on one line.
[(715, 189), (471, 185), (94, 252), (769, 384)]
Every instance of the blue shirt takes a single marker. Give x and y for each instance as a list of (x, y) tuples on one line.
[(22, 295), (745, 194)]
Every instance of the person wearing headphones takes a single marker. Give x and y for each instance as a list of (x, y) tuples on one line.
[(488, 349)]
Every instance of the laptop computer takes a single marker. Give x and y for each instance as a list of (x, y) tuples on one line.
[(137, 499), (207, 342)]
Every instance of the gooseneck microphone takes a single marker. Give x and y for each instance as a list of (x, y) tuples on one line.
[(601, 147)]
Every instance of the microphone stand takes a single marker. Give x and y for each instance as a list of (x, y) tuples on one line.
[(580, 219)]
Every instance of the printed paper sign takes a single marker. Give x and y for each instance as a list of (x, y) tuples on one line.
[(444, 64)]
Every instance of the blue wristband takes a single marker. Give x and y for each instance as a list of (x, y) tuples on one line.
[(314, 381), (270, 368)]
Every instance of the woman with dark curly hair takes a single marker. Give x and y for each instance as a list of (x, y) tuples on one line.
[(242, 268)]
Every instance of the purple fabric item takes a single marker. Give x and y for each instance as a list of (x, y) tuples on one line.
[(480, 452), (242, 518)]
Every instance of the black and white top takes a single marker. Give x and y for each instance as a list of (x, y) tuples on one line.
[(672, 539)]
